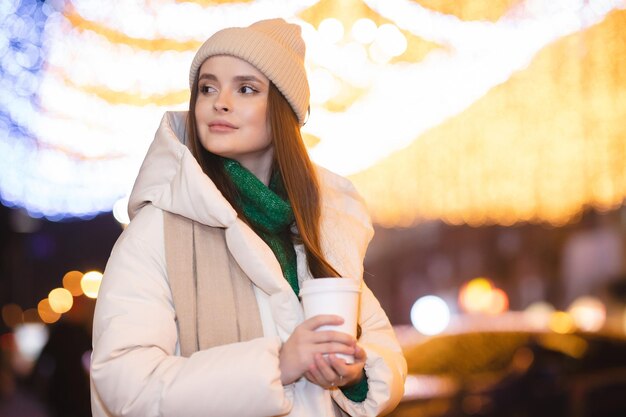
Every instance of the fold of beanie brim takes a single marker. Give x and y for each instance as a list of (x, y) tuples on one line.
[(279, 63)]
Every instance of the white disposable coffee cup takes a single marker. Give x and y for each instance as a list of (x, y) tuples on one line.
[(338, 296)]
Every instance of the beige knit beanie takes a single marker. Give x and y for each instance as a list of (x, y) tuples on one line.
[(274, 47)]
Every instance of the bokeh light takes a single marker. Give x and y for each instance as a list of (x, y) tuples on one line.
[(12, 315), (480, 296), (71, 282), (364, 30), (391, 40), (120, 211), (46, 313), (430, 315), (499, 302), (538, 314), (31, 315), (475, 296), (30, 339), (561, 322), (91, 283), (589, 313), (331, 30), (323, 86), (60, 300), (79, 94)]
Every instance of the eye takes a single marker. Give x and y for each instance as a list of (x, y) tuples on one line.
[(246, 89), (206, 89)]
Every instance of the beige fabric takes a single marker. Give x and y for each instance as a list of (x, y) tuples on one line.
[(179, 252), (214, 300), (273, 46), (338, 411)]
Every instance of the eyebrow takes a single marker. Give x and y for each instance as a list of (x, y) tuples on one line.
[(238, 78)]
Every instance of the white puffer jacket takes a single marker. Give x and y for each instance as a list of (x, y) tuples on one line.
[(136, 368)]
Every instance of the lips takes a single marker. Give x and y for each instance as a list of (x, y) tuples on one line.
[(221, 123), (220, 126)]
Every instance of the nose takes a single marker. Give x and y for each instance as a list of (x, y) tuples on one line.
[(222, 102)]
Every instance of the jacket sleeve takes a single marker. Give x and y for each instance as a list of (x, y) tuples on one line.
[(346, 231), (385, 366), (135, 368)]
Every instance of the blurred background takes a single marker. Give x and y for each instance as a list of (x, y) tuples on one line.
[(488, 138)]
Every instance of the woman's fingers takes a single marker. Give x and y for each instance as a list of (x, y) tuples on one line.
[(327, 373), (339, 364), (322, 320), (298, 352), (330, 371), (359, 354), (334, 347), (318, 375), (333, 336), (351, 373), (311, 377)]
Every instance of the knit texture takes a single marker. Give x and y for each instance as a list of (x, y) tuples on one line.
[(269, 215), (358, 391), (274, 47)]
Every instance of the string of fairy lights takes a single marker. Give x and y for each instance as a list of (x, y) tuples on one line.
[(428, 99)]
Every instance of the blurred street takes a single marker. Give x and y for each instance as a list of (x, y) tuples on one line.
[(486, 137)]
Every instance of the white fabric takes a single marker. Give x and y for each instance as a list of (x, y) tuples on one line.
[(136, 370)]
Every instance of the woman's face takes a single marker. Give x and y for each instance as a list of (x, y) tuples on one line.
[(231, 112)]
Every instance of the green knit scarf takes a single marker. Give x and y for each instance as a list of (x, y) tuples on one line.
[(271, 218), (269, 215)]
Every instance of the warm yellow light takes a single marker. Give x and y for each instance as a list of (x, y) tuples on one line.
[(364, 30), (540, 147), (475, 296), (12, 315), (390, 39), (71, 282), (117, 37), (91, 283), (324, 84), (589, 313), (561, 322), (444, 113), (538, 314), (60, 300), (331, 30), (499, 302), (46, 313)]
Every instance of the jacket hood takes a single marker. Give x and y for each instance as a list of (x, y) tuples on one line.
[(171, 179)]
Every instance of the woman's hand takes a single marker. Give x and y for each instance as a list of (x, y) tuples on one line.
[(298, 353), (335, 372)]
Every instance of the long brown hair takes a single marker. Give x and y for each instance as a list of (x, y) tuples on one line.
[(290, 159)]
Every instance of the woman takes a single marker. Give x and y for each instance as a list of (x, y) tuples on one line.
[(198, 313)]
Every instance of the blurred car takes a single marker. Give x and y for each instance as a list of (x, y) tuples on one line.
[(516, 374)]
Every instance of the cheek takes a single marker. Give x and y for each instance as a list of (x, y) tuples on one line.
[(261, 119), (258, 114), (199, 109), (256, 118)]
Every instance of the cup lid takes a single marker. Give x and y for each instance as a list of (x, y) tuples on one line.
[(329, 284)]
